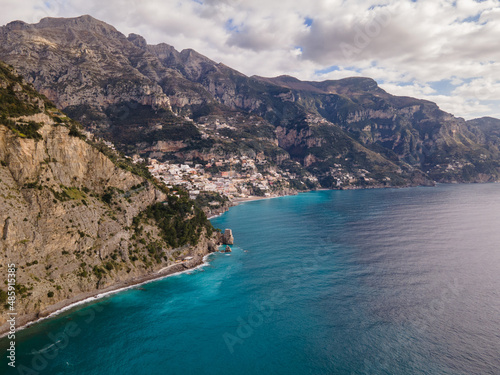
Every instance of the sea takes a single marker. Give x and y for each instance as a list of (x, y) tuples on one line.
[(386, 281)]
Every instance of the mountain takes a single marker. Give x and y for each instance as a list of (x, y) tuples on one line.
[(75, 221), (158, 102), (413, 132), (488, 128)]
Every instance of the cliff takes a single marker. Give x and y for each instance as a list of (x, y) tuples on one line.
[(346, 133), (73, 221)]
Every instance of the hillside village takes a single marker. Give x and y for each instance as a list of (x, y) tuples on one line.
[(238, 177), (241, 180)]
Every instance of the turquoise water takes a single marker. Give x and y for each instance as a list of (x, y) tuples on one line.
[(332, 282)]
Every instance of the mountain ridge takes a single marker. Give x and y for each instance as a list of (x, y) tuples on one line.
[(328, 129), (75, 221)]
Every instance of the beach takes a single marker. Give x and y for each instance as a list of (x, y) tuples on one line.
[(28, 320), (377, 280)]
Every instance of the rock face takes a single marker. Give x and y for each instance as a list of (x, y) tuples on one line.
[(100, 76), (347, 133), (227, 237), (126, 91), (71, 220)]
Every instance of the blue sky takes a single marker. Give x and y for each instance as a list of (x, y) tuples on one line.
[(440, 50)]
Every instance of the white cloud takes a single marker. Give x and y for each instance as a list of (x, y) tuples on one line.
[(481, 89), (404, 45)]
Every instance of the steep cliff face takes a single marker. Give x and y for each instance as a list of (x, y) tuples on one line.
[(413, 133), (487, 129), (122, 89), (88, 61), (80, 57), (71, 220), (125, 90)]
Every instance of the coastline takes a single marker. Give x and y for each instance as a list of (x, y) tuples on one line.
[(237, 201), (83, 298), (172, 270)]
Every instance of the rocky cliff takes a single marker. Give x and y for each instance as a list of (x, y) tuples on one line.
[(72, 220), (348, 133), (125, 90), (414, 133)]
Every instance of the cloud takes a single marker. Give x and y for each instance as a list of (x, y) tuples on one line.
[(405, 45), (30, 11)]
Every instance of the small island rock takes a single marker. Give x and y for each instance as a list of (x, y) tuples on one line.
[(227, 237)]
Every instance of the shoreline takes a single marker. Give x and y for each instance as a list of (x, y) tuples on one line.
[(172, 270), (81, 299), (237, 201)]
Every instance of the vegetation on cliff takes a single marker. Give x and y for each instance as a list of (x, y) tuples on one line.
[(179, 219), (70, 208), (139, 96)]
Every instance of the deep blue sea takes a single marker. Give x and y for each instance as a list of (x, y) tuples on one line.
[(393, 281)]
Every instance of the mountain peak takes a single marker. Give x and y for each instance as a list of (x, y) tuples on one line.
[(138, 40), (287, 78), (85, 22), (189, 54), (364, 83), (17, 25)]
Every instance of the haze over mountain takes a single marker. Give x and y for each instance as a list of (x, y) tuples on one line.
[(139, 95)]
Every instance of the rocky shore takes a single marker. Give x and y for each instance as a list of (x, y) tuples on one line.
[(197, 259)]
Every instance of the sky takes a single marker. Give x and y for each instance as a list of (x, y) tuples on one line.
[(446, 51)]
